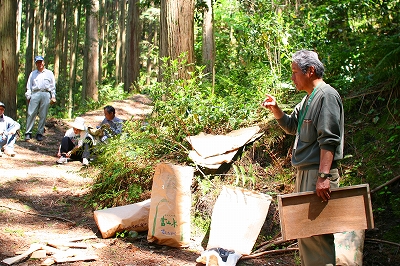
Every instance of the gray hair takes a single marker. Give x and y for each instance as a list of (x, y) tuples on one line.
[(305, 58)]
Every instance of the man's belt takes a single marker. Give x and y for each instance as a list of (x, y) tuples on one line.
[(41, 90)]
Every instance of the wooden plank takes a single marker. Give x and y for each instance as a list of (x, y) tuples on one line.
[(61, 245), (32, 248), (304, 214), (77, 258)]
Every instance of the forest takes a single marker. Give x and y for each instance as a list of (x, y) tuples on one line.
[(206, 65)]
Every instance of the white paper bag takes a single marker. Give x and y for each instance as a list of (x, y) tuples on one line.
[(237, 218)]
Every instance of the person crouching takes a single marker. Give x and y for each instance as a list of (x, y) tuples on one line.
[(76, 144)]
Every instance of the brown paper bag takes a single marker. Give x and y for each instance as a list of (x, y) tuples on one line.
[(237, 218), (129, 217), (169, 218)]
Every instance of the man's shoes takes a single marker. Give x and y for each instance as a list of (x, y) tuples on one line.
[(62, 160), (28, 136), (39, 137), (9, 152), (85, 162)]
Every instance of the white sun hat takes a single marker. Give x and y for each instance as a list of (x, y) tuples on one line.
[(79, 123)]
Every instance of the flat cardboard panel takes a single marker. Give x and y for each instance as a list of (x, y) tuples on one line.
[(304, 214)]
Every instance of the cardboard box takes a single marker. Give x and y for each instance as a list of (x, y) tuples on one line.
[(304, 214)]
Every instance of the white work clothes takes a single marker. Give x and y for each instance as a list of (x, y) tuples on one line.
[(77, 140), (6, 125), (41, 81), (39, 89)]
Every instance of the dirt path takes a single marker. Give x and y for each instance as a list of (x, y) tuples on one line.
[(41, 202)]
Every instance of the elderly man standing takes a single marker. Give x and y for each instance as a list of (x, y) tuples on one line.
[(318, 123), (40, 91)]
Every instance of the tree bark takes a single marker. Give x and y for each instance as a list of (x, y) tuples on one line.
[(152, 42), (72, 59), (37, 28), (208, 48), (58, 39), (90, 90), (103, 23), (65, 34), (119, 55), (8, 57), (19, 26), (177, 32), (132, 47), (30, 13)]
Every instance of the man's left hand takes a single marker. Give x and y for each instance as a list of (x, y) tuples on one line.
[(323, 188)]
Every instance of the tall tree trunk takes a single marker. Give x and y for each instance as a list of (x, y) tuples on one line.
[(58, 39), (44, 26), (8, 57), (38, 48), (119, 54), (90, 90), (110, 16), (72, 59), (63, 53), (48, 29), (208, 48), (30, 14), (102, 19), (151, 40), (65, 34), (19, 26), (177, 32), (132, 46)]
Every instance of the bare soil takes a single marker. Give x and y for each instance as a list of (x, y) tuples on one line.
[(41, 202)]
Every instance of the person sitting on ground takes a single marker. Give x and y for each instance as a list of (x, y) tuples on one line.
[(8, 132), (76, 143), (110, 126)]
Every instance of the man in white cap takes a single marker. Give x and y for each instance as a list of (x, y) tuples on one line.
[(76, 143), (8, 132), (40, 92)]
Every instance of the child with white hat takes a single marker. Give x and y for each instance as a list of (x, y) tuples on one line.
[(76, 143)]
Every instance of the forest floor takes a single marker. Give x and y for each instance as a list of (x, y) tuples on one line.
[(42, 202)]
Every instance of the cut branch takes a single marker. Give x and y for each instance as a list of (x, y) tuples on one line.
[(386, 184), (268, 252), (382, 241), (41, 215), (266, 245)]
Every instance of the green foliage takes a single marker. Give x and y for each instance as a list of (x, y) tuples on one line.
[(256, 45), (126, 234), (186, 107), (241, 175), (17, 232), (200, 224), (374, 155), (126, 168)]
